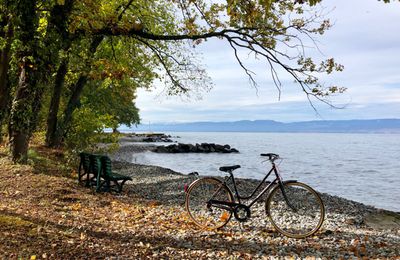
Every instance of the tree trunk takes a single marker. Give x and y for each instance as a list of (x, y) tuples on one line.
[(5, 87), (57, 129), (21, 113), (55, 102), (22, 109), (57, 139), (58, 21), (35, 68)]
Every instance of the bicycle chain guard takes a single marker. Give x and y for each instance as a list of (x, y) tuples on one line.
[(241, 212)]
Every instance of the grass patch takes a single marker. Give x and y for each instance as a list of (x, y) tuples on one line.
[(14, 221)]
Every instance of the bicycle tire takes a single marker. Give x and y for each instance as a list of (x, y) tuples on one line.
[(203, 215), (309, 214)]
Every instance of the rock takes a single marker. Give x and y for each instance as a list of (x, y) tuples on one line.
[(200, 149), (184, 148), (161, 149), (218, 147), (148, 140), (226, 150), (206, 148), (192, 148)]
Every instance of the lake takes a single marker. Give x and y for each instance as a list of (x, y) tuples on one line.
[(360, 167)]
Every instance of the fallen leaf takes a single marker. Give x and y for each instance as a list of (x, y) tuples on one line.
[(224, 216)]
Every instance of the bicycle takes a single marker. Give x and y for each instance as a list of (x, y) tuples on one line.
[(294, 208)]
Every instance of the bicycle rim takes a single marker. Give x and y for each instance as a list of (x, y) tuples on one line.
[(303, 217), (204, 215)]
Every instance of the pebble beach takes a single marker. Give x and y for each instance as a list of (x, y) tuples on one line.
[(351, 230)]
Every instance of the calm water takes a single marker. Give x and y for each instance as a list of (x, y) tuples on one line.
[(360, 167)]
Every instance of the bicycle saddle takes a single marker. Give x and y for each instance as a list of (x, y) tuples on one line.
[(229, 168)]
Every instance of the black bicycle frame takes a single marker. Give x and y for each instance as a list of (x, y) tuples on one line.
[(278, 180)]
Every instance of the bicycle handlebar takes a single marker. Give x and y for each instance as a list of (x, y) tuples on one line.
[(271, 156)]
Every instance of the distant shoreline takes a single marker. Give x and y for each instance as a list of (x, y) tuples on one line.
[(376, 126), (128, 131)]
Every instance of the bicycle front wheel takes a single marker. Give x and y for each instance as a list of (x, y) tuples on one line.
[(298, 215), (204, 214)]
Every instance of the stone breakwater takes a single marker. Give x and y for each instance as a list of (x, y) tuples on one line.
[(195, 148), (351, 230), (134, 143), (147, 138)]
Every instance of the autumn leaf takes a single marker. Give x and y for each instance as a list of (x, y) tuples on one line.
[(224, 216), (154, 203)]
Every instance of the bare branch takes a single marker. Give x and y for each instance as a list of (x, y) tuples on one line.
[(247, 71), (165, 66), (203, 15)]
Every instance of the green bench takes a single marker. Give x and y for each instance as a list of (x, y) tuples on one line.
[(97, 169), (85, 170), (108, 177)]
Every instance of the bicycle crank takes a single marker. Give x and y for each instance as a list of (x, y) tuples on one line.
[(241, 212)]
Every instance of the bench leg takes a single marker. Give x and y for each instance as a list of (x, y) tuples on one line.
[(87, 180), (79, 172), (120, 185), (99, 185), (107, 185)]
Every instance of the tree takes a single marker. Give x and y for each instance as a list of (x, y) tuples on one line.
[(261, 27), (161, 33), (57, 128), (25, 103), (6, 35), (58, 21)]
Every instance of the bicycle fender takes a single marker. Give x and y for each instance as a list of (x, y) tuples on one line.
[(289, 181)]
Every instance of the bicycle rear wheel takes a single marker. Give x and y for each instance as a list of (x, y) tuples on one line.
[(204, 214), (301, 216)]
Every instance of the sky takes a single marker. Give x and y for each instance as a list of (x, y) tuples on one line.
[(365, 38)]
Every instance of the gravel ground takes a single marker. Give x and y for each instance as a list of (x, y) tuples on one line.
[(350, 230)]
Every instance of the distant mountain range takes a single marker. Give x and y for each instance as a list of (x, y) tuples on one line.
[(330, 126)]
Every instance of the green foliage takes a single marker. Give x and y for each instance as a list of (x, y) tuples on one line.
[(146, 40), (118, 68), (112, 99), (86, 131)]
